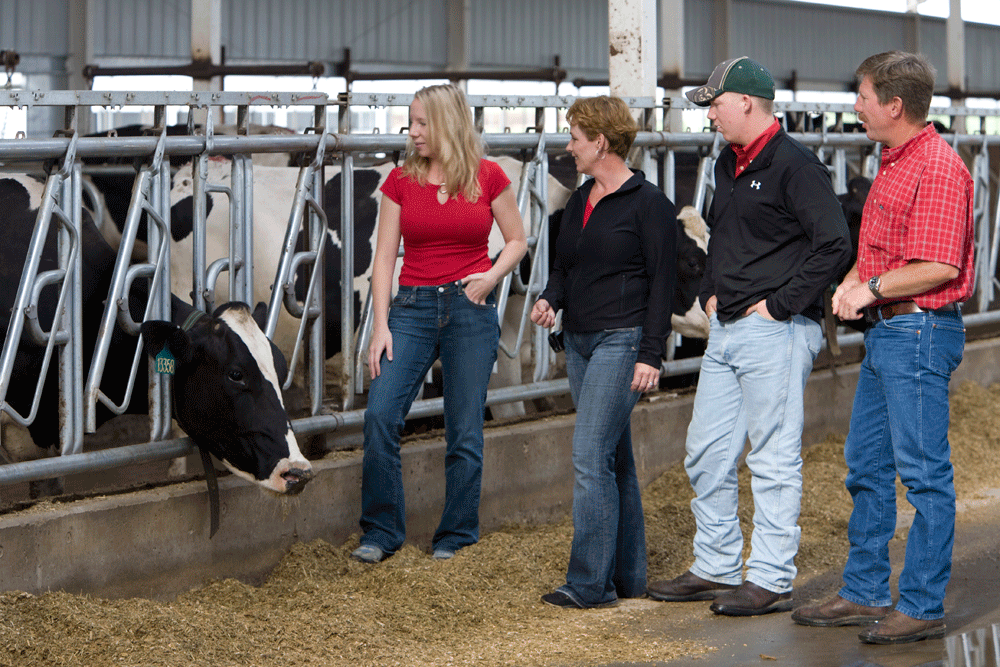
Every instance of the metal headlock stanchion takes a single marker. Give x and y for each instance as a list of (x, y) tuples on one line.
[(843, 151)]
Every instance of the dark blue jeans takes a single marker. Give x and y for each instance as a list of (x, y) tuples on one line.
[(428, 323), (608, 555), (900, 425)]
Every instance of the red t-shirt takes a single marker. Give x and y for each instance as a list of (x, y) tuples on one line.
[(920, 207), (443, 243)]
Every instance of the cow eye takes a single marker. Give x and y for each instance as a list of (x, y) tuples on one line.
[(236, 375)]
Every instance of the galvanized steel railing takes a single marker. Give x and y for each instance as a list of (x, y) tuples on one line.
[(842, 152)]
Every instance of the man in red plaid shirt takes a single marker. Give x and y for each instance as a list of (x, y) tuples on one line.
[(914, 268)]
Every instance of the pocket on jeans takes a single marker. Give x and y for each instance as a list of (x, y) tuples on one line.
[(405, 297), (947, 346), (489, 305)]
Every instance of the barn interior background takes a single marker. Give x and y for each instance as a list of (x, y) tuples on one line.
[(339, 74)]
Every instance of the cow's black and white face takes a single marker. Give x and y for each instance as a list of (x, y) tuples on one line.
[(227, 394)]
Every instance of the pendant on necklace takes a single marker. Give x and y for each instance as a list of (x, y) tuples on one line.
[(442, 190)]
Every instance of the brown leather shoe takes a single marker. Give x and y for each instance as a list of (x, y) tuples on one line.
[(898, 628), (686, 588), (749, 599), (838, 612)]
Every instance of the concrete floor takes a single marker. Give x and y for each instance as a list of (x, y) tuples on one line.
[(973, 602)]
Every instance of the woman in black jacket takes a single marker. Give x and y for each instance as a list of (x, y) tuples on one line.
[(613, 277)]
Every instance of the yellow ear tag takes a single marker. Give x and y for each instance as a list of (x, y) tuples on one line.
[(165, 362)]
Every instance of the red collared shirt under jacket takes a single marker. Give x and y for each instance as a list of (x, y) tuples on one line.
[(920, 208)]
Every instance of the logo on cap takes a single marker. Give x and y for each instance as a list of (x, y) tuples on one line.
[(737, 75)]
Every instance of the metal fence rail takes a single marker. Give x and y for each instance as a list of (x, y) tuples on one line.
[(846, 154)]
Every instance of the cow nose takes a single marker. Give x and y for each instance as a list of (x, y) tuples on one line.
[(296, 479)]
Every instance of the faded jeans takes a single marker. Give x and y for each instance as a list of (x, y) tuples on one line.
[(608, 554), (753, 375), (428, 323)]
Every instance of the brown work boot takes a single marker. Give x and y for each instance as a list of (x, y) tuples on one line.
[(898, 628), (838, 612), (686, 588), (749, 599)]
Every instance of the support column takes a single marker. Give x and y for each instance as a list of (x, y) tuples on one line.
[(956, 60), (632, 47), (206, 43), (632, 58), (722, 24), (459, 36), (956, 47), (81, 53), (672, 55)]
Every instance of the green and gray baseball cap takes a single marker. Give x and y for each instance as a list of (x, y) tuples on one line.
[(736, 75)]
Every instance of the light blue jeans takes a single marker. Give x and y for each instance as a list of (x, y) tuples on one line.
[(753, 374), (428, 323), (900, 425), (608, 555)]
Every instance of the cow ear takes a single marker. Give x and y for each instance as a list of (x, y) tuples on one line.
[(260, 315), (158, 334), (280, 363)]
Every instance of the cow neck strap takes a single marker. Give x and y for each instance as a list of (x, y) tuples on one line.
[(213, 490), (211, 479)]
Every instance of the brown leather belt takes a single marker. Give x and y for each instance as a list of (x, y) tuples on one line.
[(887, 311)]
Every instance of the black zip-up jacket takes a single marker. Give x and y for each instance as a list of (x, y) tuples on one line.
[(777, 233), (618, 271)]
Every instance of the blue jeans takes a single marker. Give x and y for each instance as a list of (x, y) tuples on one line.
[(899, 424), (608, 555), (429, 323), (753, 375)]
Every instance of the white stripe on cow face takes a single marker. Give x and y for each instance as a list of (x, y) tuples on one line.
[(244, 326)]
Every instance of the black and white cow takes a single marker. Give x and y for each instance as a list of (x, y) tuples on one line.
[(273, 193), (274, 189), (226, 386)]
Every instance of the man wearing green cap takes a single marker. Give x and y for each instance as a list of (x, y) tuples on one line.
[(778, 239)]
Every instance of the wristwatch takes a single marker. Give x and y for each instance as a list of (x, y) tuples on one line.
[(874, 284)]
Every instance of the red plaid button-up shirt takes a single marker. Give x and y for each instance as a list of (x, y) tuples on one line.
[(920, 208)]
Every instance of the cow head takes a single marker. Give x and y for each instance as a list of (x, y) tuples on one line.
[(227, 394)]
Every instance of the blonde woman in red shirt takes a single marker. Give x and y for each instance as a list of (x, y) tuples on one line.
[(442, 203)]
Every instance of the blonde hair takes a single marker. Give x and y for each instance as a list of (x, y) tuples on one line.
[(452, 138), (605, 115)]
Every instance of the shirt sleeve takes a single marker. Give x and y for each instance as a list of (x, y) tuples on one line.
[(658, 234), (941, 205), (809, 193), (555, 289), (707, 289), (391, 187), (493, 179)]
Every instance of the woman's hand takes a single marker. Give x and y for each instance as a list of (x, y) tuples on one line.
[(645, 378), (477, 286), (381, 341), (542, 314)]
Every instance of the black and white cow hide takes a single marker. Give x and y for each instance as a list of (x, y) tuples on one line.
[(227, 394)]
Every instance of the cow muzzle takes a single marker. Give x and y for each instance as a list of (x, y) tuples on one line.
[(296, 479)]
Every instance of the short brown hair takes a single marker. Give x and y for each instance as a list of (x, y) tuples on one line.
[(908, 76), (605, 115)]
